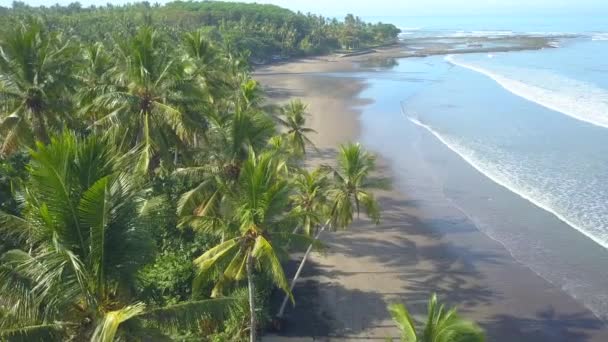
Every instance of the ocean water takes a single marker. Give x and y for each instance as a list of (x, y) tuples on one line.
[(533, 123)]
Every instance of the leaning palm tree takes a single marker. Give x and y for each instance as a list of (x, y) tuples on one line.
[(349, 190), (293, 119), (150, 97), (260, 211), (310, 206), (35, 80), (84, 232), (442, 325)]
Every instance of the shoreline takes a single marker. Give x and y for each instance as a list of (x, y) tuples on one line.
[(344, 292), (402, 49)]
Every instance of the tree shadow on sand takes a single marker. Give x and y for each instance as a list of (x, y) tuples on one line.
[(438, 267), (313, 317)]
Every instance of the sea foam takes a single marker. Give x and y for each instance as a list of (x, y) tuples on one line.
[(580, 100), (508, 181), (600, 36)]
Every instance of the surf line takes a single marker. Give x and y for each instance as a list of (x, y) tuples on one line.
[(497, 180), (559, 102)]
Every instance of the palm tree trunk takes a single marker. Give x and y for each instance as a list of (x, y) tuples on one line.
[(253, 324), (300, 268), (39, 129)]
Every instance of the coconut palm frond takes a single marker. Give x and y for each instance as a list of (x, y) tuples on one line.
[(106, 330), (265, 254), (404, 322), (14, 226), (187, 315), (442, 325), (34, 333)]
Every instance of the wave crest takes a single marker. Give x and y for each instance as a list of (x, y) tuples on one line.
[(582, 101)]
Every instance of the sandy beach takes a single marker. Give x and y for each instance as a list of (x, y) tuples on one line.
[(412, 253)]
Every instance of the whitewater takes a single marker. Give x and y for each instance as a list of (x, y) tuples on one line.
[(580, 100), (489, 171)]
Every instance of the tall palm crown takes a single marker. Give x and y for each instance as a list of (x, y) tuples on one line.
[(232, 136), (258, 209), (441, 325), (352, 185), (206, 64), (151, 97), (35, 78), (84, 232), (95, 77), (309, 199), (293, 118)]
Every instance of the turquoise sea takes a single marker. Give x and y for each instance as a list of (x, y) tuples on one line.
[(516, 140)]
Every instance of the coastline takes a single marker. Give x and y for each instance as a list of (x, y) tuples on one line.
[(413, 252), (406, 49)]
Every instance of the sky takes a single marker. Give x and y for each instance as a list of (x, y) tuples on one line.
[(369, 8)]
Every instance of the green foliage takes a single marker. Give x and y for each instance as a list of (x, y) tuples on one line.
[(441, 325), (141, 171), (266, 31), (167, 280), (84, 232), (352, 185), (12, 174), (293, 119), (36, 70)]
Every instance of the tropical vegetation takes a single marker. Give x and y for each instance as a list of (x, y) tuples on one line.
[(148, 192), (441, 325), (264, 32)]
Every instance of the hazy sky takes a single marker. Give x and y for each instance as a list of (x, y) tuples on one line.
[(366, 8)]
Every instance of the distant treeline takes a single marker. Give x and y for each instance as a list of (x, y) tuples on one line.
[(264, 31)]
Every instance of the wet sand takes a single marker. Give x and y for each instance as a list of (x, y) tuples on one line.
[(413, 252)]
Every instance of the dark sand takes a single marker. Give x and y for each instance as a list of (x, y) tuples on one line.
[(343, 293)]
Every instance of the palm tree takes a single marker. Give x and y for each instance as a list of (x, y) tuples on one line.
[(349, 190), (441, 325), (352, 185), (206, 63), (309, 198), (259, 209), (206, 66), (249, 95), (293, 119), (84, 232), (95, 78), (149, 98), (231, 137), (35, 77), (310, 205)]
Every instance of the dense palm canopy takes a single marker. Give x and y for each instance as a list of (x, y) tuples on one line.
[(259, 212), (35, 77), (152, 99), (143, 172), (84, 232), (441, 325)]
